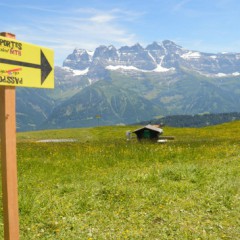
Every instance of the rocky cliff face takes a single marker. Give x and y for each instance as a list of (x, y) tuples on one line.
[(156, 57)]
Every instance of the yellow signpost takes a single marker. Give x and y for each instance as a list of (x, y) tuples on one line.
[(25, 65)]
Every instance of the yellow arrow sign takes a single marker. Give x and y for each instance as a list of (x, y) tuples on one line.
[(25, 65)]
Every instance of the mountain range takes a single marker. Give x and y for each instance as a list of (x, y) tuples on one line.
[(110, 86)]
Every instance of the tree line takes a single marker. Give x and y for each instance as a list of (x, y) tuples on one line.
[(198, 120)]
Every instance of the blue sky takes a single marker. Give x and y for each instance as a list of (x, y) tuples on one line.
[(203, 25)]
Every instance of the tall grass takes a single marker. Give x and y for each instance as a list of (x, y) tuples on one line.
[(103, 187)]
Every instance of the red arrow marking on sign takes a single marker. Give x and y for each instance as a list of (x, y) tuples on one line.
[(14, 70)]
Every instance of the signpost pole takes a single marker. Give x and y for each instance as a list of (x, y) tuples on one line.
[(8, 159)]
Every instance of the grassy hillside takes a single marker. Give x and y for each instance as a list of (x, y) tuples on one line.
[(102, 187), (132, 97)]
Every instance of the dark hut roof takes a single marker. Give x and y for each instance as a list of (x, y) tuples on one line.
[(150, 127)]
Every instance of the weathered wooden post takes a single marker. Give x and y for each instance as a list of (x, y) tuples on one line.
[(9, 159)]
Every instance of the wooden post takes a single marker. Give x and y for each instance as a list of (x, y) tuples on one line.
[(9, 160)]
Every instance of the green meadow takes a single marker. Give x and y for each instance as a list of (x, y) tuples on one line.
[(103, 187)]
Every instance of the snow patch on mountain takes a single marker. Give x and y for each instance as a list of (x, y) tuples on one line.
[(159, 68), (220, 75), (236, 74), (80, 72), (90, 53), (213, 57), (151, 56), (68, 69), (76, 72), (91, 81), (114, 68), (191, 55)]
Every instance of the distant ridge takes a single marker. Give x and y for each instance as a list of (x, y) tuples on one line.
[(197, 120)]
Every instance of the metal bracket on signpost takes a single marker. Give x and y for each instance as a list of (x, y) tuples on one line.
[(8, 159)]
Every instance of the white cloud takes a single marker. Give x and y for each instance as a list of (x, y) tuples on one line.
[(64, 31), (102, 18)]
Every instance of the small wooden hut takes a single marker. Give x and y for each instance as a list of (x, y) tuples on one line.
[(151, 132)]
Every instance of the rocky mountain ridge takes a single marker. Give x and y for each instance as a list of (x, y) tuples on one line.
[(156, 57)]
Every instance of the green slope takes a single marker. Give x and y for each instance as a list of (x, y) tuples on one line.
[(124, 98), (106, 188)]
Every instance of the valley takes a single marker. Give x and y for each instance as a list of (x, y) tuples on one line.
[(130, 85)]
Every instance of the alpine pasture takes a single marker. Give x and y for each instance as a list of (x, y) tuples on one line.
[(104, 187)]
